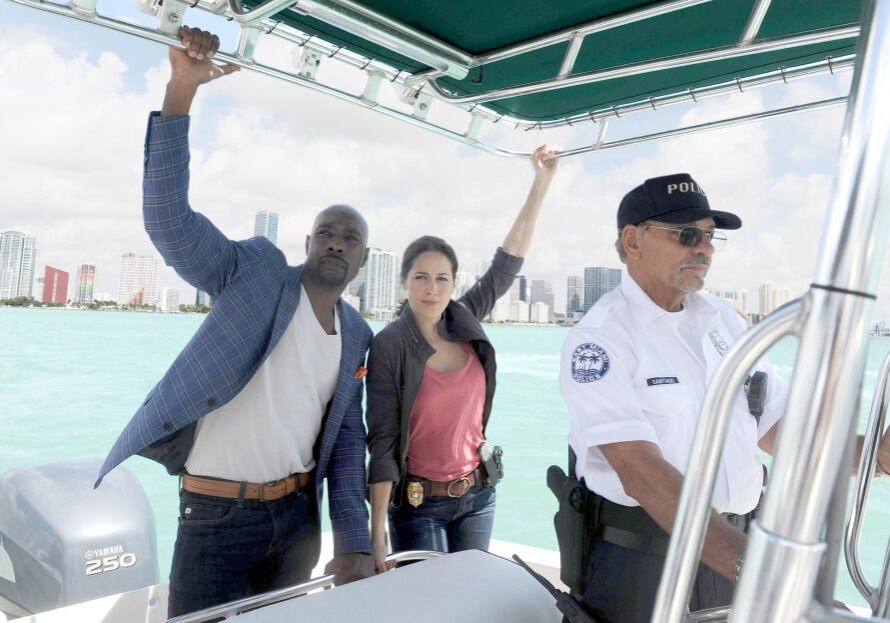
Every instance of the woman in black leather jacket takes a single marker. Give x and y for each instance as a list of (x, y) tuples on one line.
[(431, 380)]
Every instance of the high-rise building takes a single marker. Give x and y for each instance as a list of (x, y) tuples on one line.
[(542, 292), (139, 276), (540, 312), (772, 297), (574, 294), (18, 257), (523, 288), (381, 285), (266, 224), (356, 287), (597, 281), (84, 284), (519, 311), (738, 298), (463, 281), (169, 300), (55, 285), (201, 298)]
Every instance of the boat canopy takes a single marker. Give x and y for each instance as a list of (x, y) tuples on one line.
[(555, 61), (526, 64)]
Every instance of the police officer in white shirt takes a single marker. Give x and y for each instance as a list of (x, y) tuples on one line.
[(634, 373)]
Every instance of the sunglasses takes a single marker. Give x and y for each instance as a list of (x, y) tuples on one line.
[(691, 236)]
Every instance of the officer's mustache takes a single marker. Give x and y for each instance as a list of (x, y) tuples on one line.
[(702, 260)]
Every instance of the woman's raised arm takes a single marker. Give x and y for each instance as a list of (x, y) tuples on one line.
[(520, 236)]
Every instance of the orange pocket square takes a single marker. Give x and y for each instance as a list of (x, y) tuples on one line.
[(361, 373)]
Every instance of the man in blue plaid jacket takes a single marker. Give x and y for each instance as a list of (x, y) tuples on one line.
[(280, 381)]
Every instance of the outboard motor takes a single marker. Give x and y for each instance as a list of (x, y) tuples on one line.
[(63, 542)]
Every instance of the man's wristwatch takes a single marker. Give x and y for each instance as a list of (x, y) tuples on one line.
[(738, 569)]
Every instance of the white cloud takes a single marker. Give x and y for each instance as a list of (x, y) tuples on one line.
[(74, 131)]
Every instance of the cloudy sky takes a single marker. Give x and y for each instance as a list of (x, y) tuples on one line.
[(75, 99)]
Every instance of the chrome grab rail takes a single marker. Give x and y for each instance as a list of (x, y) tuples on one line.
[(785, 549), (873, 432), (234, 608), (711, 615), (693, 512)]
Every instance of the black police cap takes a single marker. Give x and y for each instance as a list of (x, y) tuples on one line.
[(675, 199)]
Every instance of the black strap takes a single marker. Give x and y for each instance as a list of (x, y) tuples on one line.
[(636, 542)]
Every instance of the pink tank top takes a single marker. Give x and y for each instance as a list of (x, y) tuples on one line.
[(446, 422)]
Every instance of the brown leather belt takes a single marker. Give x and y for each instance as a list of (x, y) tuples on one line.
[(453, 488), (267, 491)]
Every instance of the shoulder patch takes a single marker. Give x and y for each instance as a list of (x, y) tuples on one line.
[(590, 362)]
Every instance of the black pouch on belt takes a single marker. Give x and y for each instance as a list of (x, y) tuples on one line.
[(492, 463)]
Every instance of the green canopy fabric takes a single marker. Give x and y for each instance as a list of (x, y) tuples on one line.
[(486, 25)]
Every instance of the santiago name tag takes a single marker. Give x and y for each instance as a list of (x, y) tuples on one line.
[(662, 380)]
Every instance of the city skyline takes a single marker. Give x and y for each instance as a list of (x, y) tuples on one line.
[(376, 288)]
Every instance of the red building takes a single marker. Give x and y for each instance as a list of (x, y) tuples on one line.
[(55, 285)]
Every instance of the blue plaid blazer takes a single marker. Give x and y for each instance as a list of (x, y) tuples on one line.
[(255, 294)]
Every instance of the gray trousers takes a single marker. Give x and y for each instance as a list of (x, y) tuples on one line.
[(623, 583)]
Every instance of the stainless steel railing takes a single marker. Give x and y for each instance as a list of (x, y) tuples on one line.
[(786, 544), (698, 485), (233, 608), (877, 597)]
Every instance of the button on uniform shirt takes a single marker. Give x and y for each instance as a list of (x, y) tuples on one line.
[(631, 371)]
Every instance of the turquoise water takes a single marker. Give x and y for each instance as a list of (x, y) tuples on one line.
[(71, 379)]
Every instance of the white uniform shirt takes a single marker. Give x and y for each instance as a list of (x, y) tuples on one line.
[(629, 372), (268, 430)]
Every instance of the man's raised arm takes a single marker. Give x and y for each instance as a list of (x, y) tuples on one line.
[(200, 253)]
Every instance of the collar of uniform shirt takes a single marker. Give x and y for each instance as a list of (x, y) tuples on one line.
[(644, 310)]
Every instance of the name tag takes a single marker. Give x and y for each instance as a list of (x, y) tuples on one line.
[(662, 380)]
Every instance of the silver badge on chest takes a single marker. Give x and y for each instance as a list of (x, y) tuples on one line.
[(718, 342)]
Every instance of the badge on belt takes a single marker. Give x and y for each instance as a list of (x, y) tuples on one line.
[(414, 493)]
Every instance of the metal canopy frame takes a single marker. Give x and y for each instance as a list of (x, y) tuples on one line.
[(419, 93)]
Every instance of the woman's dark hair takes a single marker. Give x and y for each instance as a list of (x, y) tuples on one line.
[(420, 246)]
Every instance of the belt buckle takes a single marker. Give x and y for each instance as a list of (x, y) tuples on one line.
[(262, 488), (462, 480)]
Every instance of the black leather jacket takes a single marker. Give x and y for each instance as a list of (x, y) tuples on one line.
[(398, 357)]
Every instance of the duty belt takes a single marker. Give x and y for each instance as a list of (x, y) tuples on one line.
[(267, 491), (633, 528)]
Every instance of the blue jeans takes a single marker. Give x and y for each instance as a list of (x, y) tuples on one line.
[(445, 524), (227, 549)]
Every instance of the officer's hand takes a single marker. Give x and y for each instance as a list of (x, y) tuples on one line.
[(543, 161), (194, 65), (350, 567)]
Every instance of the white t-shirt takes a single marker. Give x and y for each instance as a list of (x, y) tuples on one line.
[(268, 430), (630, 372)]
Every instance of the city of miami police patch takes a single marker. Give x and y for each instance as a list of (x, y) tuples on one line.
[(589, 363), (718, 342)]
